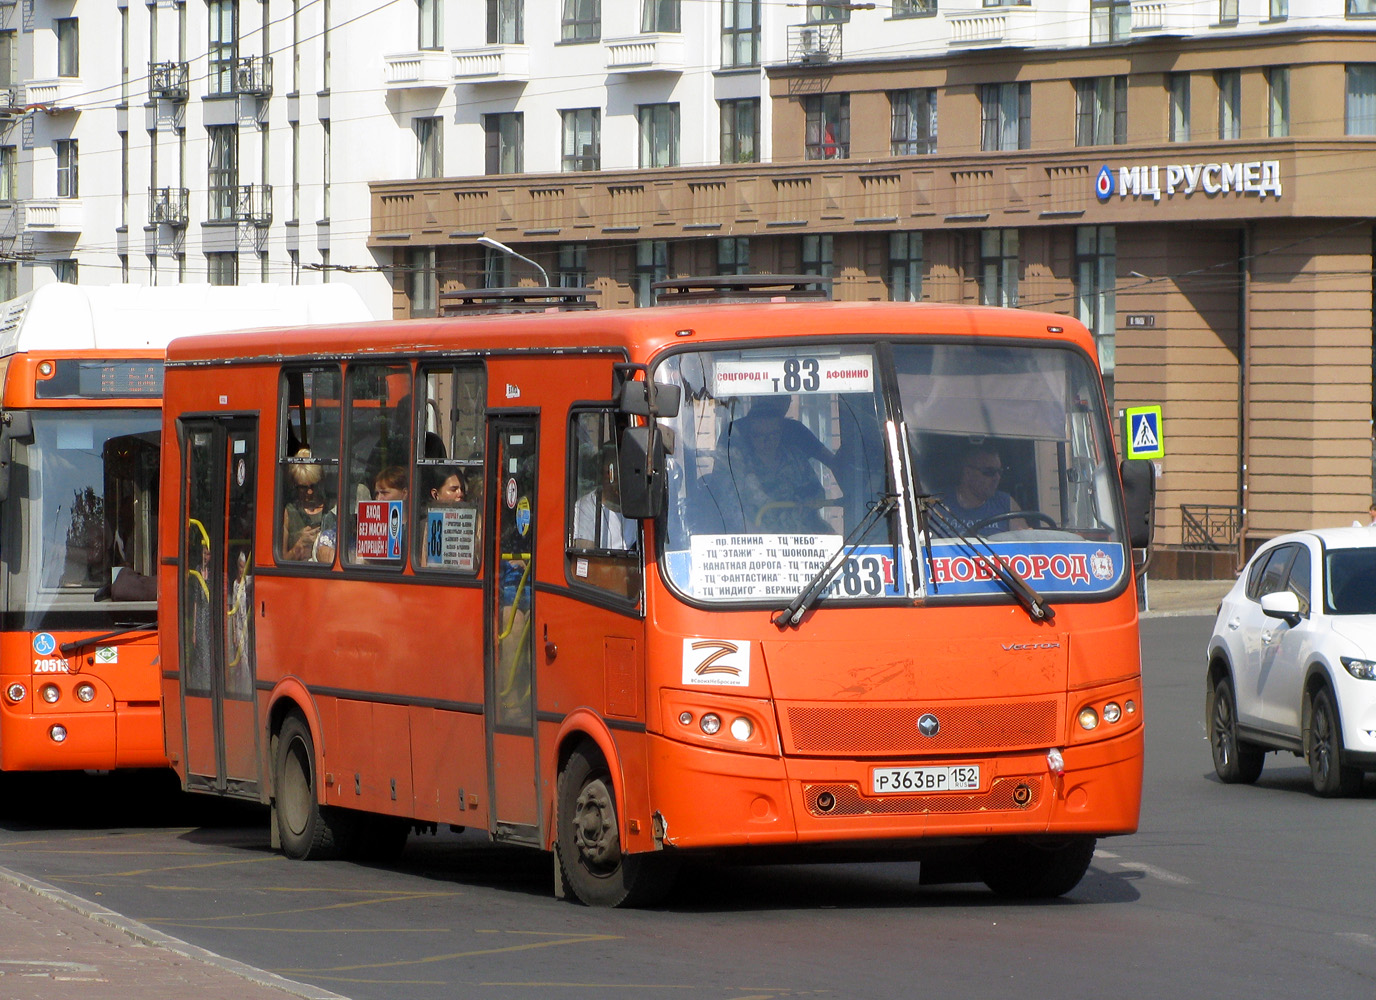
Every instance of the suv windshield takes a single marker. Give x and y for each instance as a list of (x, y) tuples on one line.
[(80, 520), (996, 448)]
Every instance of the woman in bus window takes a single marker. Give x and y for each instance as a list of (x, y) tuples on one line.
[(309, 522)]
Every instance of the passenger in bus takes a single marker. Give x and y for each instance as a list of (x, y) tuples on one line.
[(450, 486), (975, 496), (391, 484), (309, 522), (770, 456), (597, 520)]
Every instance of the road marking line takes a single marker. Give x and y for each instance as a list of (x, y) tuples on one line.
[(1155, 872), (567, 939), (1367, 940)]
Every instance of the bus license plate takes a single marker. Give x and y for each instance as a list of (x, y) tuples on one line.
[(947, 778)]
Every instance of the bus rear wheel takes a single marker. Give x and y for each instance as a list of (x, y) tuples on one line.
[(1036, 869), (306, 829), (591, 861)]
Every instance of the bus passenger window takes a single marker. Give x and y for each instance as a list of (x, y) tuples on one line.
[(377, 482), (448, 471), (603, 546), (308, 511)]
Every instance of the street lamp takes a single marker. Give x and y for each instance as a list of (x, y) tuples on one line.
[(492, 244)]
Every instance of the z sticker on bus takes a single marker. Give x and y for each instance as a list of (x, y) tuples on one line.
[(716, 662)]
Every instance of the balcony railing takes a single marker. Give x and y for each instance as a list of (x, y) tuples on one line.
[(55, 95), (653, 53), (169, 205), (168, 80), (254, 204), (814, 43), (53, 215), (417, 70), (253, 76), (492, 64), (1015, 25), (1210, 526)]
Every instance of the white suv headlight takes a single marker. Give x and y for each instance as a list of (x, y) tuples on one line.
[(1363, 670)]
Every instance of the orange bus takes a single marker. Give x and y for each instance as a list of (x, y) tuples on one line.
[(629, 585), (81, 388)]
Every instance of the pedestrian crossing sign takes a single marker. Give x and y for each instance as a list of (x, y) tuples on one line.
[(1144, 436)]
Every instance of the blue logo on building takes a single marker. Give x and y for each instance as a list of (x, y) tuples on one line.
[(1103, 184)]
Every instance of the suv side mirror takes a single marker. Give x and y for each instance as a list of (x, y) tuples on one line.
[(640, 472), (1283, 604), (1139, 499)]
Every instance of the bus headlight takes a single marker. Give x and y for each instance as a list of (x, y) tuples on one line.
[(742, 728), (1112, 713), (50, 693), (711, 723), (16, 692), (85, 691), (1088, 718)]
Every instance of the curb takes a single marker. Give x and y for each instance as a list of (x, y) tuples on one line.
[(146, 935)]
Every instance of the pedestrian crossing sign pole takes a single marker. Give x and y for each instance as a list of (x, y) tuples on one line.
[(1144, 437)]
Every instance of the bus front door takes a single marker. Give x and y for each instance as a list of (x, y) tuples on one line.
[(513, 760), (219, 704)]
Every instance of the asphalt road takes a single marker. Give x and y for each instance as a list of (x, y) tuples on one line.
[(1226, 891)]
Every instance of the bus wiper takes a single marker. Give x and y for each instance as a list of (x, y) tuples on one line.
[(793, 614), (1024, 592), (67, 648)]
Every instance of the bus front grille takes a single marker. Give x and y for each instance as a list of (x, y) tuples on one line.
[(893, 730)]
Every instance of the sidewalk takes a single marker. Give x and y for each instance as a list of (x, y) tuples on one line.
[(56, 946), (1174, 598)]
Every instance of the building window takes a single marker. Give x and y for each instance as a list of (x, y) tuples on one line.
[(1109, 20), (505, 22), (658, 134), (1101, 111), (740, 33), (740, 131), (224, 45), (66, 168), (429, 146), (1006, 110), (1179, 84), (65, 271), (1361, 8), (496, 269), (429, 26), (815, 256), (998, 267), (504, 142), (1229, 104), (651, 265), (573, 265), (326, 52), (733, 255), (222, 268), (222, 176), (828, 126), (582, 139), (1360, 112), (905, 267), (1278, 102), (912, 121), (913, 8), (295, 45), (1096, 276), (1279, 10), (9, 280), (660, 15), (582, 21), (124, 179), (9, 58), (68, 47), (9, 173), (1007, 3), (828, 10), (422, 284), (1227, 11)]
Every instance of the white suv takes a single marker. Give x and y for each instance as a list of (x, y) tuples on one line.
[(1292, 660)]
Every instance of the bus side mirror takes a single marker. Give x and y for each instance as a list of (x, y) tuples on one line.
[(635, 399), (640, 472), (14, 426), (1139, 497)]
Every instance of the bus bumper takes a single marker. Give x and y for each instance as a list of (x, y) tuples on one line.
[(712, 799), (94, 740)]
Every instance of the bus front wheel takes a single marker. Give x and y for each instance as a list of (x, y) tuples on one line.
[(1036, 869), (307, 830), (591, 861)]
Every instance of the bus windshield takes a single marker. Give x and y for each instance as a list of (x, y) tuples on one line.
[(80, 519), (997, 449)]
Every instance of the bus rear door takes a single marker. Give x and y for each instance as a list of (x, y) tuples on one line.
[(513, 762), (219, 707)]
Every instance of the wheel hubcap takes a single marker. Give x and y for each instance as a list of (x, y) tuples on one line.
[(1223, 733), (594, 827), (296, 790), (1322, 744)]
